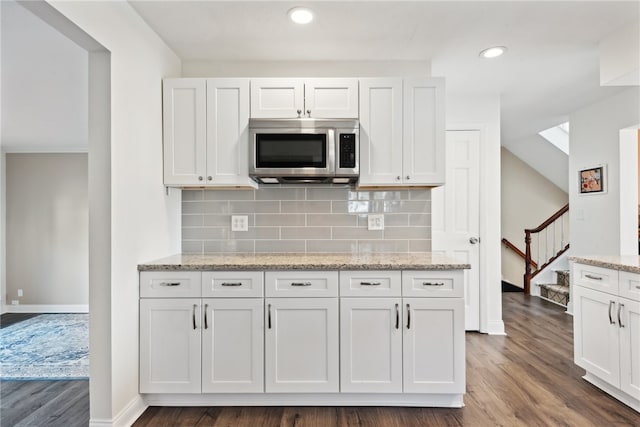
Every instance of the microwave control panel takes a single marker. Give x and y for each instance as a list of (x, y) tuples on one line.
[(347, 150)]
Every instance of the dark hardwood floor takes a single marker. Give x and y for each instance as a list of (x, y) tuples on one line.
[(8, 319), (524, 379)]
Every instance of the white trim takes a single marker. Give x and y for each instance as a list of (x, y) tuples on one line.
[(628, 190), (129, 414), (307, 399), (496, 327), (47, 308)]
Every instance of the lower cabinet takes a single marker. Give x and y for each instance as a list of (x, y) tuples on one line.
[(302, 337), (301, 345), (607, 332)]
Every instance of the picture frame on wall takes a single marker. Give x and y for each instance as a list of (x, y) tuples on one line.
[(593, 180)]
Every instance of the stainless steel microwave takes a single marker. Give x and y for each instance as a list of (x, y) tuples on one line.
[(304, 150)]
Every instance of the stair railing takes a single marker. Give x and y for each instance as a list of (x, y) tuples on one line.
[(548, 248), (517, 250)]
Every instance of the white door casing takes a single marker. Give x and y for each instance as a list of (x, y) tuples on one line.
[(456, 214)]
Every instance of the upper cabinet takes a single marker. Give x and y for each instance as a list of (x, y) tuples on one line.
[(206, 132), (402, 130), (292, 98)]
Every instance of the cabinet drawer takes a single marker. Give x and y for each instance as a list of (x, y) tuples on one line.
[(170, 284), (301, 283), (630, 285), (233, 284), (434, 283), (597, 278), (370, 283)]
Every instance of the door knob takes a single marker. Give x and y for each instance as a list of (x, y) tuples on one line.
[(474, 240)]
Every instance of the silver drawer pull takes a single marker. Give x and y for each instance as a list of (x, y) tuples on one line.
[(620, 307), (170, 284), (370, 283), (589, 276), (637, 286), (432, 284), (301, 284), (231, 283)]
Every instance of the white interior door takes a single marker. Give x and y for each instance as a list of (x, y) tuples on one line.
[(455, 215)]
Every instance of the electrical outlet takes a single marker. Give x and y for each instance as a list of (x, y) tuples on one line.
[(15, 302), (239, 223), (375, 222), (20, 293)]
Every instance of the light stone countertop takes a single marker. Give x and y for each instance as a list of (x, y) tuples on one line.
[(630, 263), (292, 261)]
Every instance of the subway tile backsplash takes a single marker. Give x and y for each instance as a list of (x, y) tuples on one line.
[(306, 219)]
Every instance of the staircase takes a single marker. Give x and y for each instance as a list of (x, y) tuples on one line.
[(558, 292)]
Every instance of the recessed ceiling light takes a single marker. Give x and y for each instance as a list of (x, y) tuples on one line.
[(493, 52), (300, 15)]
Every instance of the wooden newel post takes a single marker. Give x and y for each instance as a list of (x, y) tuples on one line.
[(527, 262)]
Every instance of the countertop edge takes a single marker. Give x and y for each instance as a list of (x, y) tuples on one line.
[(605, 264), (308, 267)]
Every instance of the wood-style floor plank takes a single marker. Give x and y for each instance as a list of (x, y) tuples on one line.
[(527, 378)]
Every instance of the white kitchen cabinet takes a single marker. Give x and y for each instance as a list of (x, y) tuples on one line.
[(371, 345), (232, 345), (301, 345), (190, 344), (206, 139), (402, 135), (607, 330), (170, 345), (315, 98), (433, 345)]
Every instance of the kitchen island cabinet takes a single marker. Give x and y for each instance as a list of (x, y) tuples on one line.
[(337, 329), (606, 294)]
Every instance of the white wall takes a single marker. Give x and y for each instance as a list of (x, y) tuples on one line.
[(144, 221), (528, 199), (483, 112), (44, 76), (544, 157), (47, 229), (594, 139)]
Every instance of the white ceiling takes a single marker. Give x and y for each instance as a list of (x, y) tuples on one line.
[(550, 70)]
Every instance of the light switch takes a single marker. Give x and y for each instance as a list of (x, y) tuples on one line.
[(375, 222), (239, 223)]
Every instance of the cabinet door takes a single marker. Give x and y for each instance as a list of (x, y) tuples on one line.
[(433, 344), (184, 127), (228, 132), (170, 345), (331, 98), (370, 345), (595, 334), (630, 346), (380, 132), (232, 346), (424, 133), (277, 98), (301, 345)]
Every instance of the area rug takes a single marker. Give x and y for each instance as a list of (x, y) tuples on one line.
[(48, 346)]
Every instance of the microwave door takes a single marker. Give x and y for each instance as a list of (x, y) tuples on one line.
[(293, 153)]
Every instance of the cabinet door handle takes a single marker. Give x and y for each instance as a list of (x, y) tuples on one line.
[(592, 277), (620, 307), (432, 284), (610, 317), (301, 284), (269, 315), (206, 325), (408, 316), (397, 317), (231, 284), (169, 283), (370, 283), (637, 286), (194, 315)]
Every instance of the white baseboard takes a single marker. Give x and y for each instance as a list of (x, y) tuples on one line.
[(47, 308), (126, 417), (495, 327)]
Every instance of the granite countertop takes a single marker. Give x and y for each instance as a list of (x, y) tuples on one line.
[(630, 263), (291, 261)]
